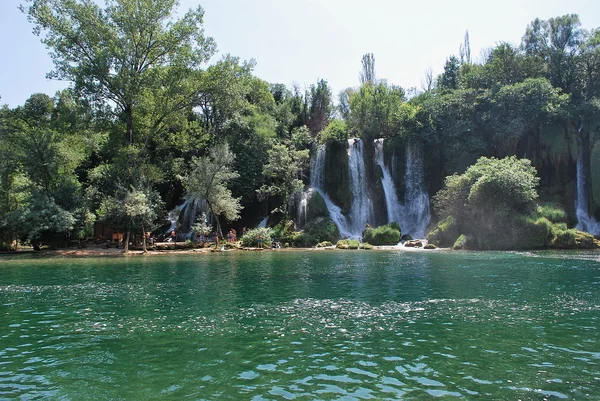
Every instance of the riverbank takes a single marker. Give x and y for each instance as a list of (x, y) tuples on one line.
[(97, 251)]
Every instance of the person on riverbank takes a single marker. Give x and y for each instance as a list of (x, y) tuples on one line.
[(216, 238), (260, 241), (173, 236)]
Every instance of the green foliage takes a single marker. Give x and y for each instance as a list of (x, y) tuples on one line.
[(489, 203), (250, 239), (40, 219), (552, 212), (348, 244), (316, 207), (366, 246), (444, 234), (281, 172), (318, 230), (324, 244), (460, 243), (373, 110), (388, 234), (208, 180), (336, 131), (574, 239)]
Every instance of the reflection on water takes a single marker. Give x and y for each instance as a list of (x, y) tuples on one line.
[(302, 325)]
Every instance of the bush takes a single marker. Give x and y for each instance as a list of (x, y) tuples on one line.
[(324, 244), (318, 230), (554, 213), (430, 246), (251, 237), (367, 246), (444, 234), (348, 244), (382, 235), (336, 131)]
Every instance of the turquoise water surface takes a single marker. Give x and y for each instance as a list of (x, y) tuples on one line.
[(302, 325)]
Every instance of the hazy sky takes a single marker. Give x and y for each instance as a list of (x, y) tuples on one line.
[(300, 41)]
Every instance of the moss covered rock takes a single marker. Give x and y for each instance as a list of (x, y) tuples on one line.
[(316, 207), (388, 234), (444, 234)]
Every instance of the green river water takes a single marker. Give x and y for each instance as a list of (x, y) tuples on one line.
[(302, 325)]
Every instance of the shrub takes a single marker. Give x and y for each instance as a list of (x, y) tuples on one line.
[(251, 237), (348, 244), (382, 235), (336, 131), (318, 230), (554, 213), (367, 246), (444, 234), (430, 246), (324, 244)]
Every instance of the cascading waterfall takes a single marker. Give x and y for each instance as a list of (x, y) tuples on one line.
[(184, 216), (413, 214), (416, 214), (317, 183), (394, 209), (585, 222), (361, 210)]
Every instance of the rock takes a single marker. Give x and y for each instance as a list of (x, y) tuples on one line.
[(406, 237), (413, 244)]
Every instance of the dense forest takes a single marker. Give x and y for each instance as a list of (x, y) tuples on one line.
[(151, 120)]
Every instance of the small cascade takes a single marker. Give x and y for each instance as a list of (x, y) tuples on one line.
[(585, 222), (317, 184), (361, 210), (184, 216), (416, 215), (263, 222), (394, 209)]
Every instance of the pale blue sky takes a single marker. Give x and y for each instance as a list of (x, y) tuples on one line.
[(300, 41)]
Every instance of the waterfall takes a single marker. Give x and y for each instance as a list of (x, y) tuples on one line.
[(184, 216), (585, 222), (263, 222), (389, 189), (416, 200), (317, 184), (361, 210)]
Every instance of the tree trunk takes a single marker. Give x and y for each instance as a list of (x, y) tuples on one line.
[(35, 244), (219, 232), (126, 245), (144, 239), (129, 123)]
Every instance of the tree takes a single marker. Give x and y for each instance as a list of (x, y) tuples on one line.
[(208, 180), (465, 50), (556, 44), (320, 107), (449, 78), (367, 74), (428, 82), (282, 174), (118, 55), (132, 208), (490, 201)]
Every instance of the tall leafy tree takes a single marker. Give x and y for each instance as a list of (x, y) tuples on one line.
[(320, 107), (283, 175), (367, 74), (117, 55), (209, 179)]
